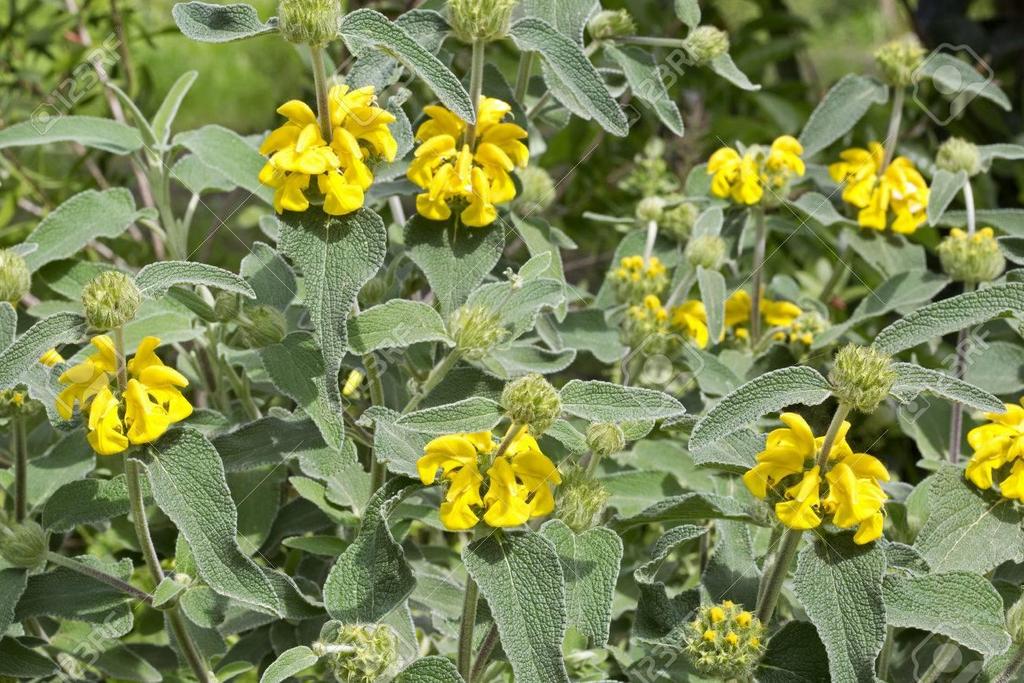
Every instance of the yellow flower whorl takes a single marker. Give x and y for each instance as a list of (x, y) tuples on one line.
[(899, 192)]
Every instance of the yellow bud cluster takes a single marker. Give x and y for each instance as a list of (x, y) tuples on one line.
[(724, 641)]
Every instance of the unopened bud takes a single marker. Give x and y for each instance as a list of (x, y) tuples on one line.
[(480, 20), (309, 22), (650, 208), (538, 191), (611, 24), (634, 279), (957, 154), (24, 544), (263, 325), (678, 220), (227, 305), (899, 59), (862, 377), (705, 43), (358, 653), (605, 438), (707, 251), (15, 279), (724, 641), (110, 300), (532, 401), (581, 499), (476, 331), (972, 259)]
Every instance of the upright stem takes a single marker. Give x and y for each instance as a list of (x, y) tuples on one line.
[(1013, 667), (652, 237), (956, 422), (756, 285), (122, 362), (433, 379), (893, 134), (320, 84), (969, 207), (19, 446), (397, 212), (839, 272), (842, 411), (469, 603), (523, 75), (476, 86), (378, 471), (483, 656)]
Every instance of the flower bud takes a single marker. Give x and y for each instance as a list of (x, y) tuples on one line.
[(309, 22), (605, 438), (678, 220), (227, 306), (24, 544), (646, 327), (899, 59), (972, 259), (862, 377), (51, 357), (650, 208), (15, 279), (532, 401), (705, 43), (538, 191), (111, 299), (611, 24), (263, 325), (725, 641), (581, 499), (707, 251), (957, 154), (476, 330), (352, 382), (480, 20), (14, 402), (634, 279), (807, 327), (358, 653)]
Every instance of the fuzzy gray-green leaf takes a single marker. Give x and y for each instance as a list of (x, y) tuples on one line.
[(12, 585), (208, 23), (474, 414), (89, 131), (288, 664), (156, 278), (840, 110), (912, 379), (606, 402), (648, 84), (396, 324), (228, 153), (942, 190), (433, 669), (19, 357)]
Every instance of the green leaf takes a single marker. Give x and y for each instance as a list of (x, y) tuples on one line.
[(840, 586), (886, 253), (840, 110), (989, 366), (397, 447), (168, 111), (520, 576), (141, 123), (427, 27), (735, 453), (517, 304), (590, 563), (967, 529), (156, 278), (794, 655), (961, 606), (630, 492), (455, 260), (950, 315), (372, 576), (819, 208), (87, 501), (396, 324), (230, 155), (1010, 221), (646, 81), (366, 29), (569, 65), (727, 69), (712, 293), (433, 669), (23, 354), (568, 16), (769, 393), (474, 414), (688, 507), (69, 459), (8, 324), (732, 572), (257, 496), (289, 663), (81, 219), (954, 77), (90, 131), (18, 661), (65, 593), (208, 23), (166, 591), (587, 330), (688, 12), (267, 441), (187, 479), (12, 585), (337, 256), (269, 275), (912, 379), (943, 189), (659, 617), (999, 151), (606, 402), (197, 177), (520, 359)]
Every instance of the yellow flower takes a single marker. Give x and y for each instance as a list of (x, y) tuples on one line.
[(899, 190), (798, 512), (298, 151), (475, 178), (742, 178), (352, 382), (634, 278), (691, 319), (647, 326), (787, 451), (784, 315), (150, 403), (996, 445), (51, 358)]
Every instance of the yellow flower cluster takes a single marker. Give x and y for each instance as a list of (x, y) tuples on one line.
[(454, 172), (150, 403), (298, 151), (783, 316), (519, 479), (787, 469), (724, 641), (11, 400), (997, 445), (743, 178), (898, 189), (634, 279)]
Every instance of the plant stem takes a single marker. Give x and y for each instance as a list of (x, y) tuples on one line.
[(842, 410), (943, 654), (433, 379), (772, 580), (174, 616), (122, 361), (838, 277), (19, 446), (100, 576), (652, 237), (397, 212), (681, 290), (1013, 667), (895, 117), (378, 471), (886, 653), (969, 207), (956, 422), (469, 603), (756, 285), (523, 75), (652, 42), (483, 656), (476, 86), (323, 111), (241, 389)]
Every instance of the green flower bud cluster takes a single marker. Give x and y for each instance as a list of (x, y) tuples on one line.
[(538, 191), (14, 402), (650, 209), (260, 325), (605, 438), (899, 59), (15, 279), (972, 258), (677, 221), (705, 43), (476, 330), (309, 22), (581, 499), (608, 24), (706, 251), (650, 175), (957, 154), (724, 641), (111, 299), (358, 653), (862, 377), (646, 327), (23, 544), (532, 401), (480, 20)]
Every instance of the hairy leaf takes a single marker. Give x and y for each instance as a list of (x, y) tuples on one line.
[(208, 23), (840, 110), (396, 324), (156, 278), (606, 402)]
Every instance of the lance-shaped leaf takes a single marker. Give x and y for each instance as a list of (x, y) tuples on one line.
[(955, 77), (590, 563), (712, 293), (658, 615), (688, 12), (433, 669), (156, 278), (289, 663), (950, 315), (367, 29), (724, 66), (19, 357), (988, 153), (943, 189), (396, 324), (606, 402), (90, 131), (88, 501), (12, 585), (337, 256), (65, 593), (474, 414), (208, 23), (521, 578), (769, 393), (568, 16), (840, 110), (18, 661), (687, 507), (8, 324), (840, 586), (646, 82), (372, 576), (187, 479), (230, 155), (574, 72), (168, 111), (912, 379)]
